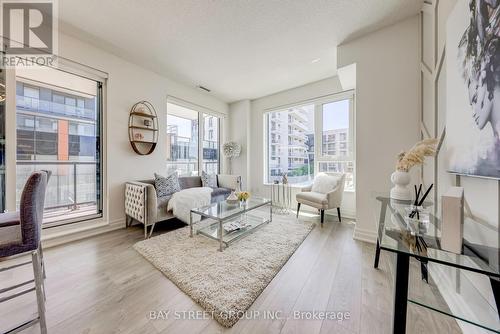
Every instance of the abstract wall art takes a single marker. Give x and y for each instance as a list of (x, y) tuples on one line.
[(473, 88)]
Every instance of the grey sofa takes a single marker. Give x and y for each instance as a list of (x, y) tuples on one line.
[(144, 206)]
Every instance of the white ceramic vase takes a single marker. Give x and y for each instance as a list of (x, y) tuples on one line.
[(401, 189)]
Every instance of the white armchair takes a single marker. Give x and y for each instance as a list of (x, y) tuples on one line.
[(323, 200)]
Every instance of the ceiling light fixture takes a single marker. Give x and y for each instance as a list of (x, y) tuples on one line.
[(315, 60)]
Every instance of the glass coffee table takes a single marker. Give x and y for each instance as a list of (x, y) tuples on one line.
[(246, 218)]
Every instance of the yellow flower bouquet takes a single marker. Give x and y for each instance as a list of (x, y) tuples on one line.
[(243, 195)]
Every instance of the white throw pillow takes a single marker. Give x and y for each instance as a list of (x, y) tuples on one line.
[(324, 183)]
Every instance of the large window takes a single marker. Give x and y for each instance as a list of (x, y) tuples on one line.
[(58, 122), (310, 138), (182, 140), (210, 144), (291, 144), (191, 135), (336, 125)]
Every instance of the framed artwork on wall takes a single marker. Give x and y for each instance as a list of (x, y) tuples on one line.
[(473, 88)]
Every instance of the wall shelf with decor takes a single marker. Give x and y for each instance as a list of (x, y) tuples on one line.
[(143, 128), (142, 114)]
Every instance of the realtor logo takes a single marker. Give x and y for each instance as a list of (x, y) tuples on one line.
[(29, 30)]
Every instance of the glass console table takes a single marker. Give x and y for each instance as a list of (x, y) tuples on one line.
[(420, 239)]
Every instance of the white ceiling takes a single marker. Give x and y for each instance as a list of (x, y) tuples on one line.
[(240, 49)]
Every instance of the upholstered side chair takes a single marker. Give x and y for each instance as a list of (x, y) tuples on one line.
[(20, 234), (330, 199)]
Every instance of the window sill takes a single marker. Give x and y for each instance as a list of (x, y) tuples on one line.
[(72, 232), (300, 187)]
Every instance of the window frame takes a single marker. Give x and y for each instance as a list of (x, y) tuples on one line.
[(318, 132)]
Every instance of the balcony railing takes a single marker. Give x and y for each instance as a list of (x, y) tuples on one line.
[(43, 106), (72, 184)]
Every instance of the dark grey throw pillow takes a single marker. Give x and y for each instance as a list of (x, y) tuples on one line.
[(166, 185), (208, 180)]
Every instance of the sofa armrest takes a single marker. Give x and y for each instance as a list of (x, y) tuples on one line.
[(228, 181), (141, 202)]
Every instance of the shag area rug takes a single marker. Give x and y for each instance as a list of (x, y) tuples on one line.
[(225, 283)]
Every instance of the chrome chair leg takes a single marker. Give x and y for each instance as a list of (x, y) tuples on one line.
[(37, 271), (42, 261), (151, 231), (44, 276)]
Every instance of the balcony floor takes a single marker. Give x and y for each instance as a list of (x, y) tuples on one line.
[(56, 215)]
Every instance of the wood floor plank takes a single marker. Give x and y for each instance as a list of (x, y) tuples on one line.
[(315, 293), (284, 290), (102, 285), (345, 293)]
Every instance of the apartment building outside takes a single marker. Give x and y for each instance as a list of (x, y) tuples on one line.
[(290, 147), (336, 144)]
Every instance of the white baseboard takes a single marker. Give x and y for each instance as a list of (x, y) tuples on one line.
[(364, 235), (333, 212), (344, 214), (54, 237)]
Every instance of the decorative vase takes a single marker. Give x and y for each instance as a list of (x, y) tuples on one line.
[(401, 191), (232, 198)]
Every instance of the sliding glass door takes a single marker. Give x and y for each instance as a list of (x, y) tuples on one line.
[(193, 142), (58, 126)]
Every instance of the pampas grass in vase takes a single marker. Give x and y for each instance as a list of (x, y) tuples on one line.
[(406, 161)]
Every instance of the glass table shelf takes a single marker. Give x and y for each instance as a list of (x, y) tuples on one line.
[(224, 213), (451, 274), (250, 222)]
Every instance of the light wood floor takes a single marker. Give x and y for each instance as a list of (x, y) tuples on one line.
[(101, 285)]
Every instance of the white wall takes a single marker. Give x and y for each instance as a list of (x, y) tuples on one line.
[(239, 131), (126, 85), (386, 110), (247, 120)]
